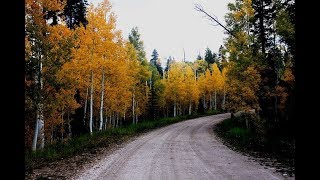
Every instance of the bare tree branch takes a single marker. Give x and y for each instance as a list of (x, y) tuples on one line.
[(199, 8)]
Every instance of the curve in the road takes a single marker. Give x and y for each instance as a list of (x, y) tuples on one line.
[(185, 150)]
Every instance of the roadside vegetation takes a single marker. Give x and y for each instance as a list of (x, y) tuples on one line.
[(90, 143), (251, 135)]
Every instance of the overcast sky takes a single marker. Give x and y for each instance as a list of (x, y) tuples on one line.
[(171, 25)]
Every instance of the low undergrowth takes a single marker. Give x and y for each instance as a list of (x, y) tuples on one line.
[(252, 135), (89, 143)]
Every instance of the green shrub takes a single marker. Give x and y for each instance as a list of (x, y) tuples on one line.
[(239, 134)]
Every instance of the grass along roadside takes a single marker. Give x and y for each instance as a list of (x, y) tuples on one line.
[(273, 150), (89, 143)]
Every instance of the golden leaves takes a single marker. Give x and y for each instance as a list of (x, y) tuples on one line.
[(245, 12), (288, 75), (243, 89)]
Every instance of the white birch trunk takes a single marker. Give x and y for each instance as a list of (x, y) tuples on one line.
[(39, 130), (36, 130), (85, 107), (41, 118), (190, 107), (91, 103), (150, 83), (101, 101)]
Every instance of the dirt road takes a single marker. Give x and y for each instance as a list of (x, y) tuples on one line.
[(185, 150)]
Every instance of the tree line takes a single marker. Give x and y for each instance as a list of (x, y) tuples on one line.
[(82, 76)]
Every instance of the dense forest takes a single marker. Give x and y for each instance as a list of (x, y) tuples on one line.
[(83, 76)]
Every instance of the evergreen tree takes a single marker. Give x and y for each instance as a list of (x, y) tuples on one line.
[(199, 57), (134, 38), (153, 97), (75, 12), (154, 57), (170, 60), (209, 56), (155, 61), (263, 20)]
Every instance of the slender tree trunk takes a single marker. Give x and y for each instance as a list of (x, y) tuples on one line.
[(69, 125), (262, 29), (124, 118), (174, 109), (117, 124), (110, 122), (111, 119), (51, 136), (190, 107), (62, 127), (36, 130), (215, 100), (39, 128), (106, 121), (277, 81), (210, 102), (177, 109), (146, 88), (137, 116), (114, 119), (224, 98), (85, 107), (101, 101), (150, 83), (133, 114), (276, 109), (276, 101), (41, 118), (91, 103)]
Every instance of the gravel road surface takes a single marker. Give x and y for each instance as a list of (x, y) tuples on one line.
[(185, 150)]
